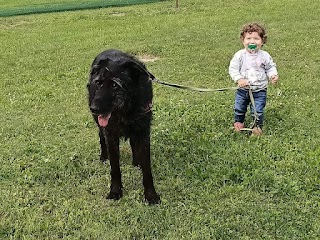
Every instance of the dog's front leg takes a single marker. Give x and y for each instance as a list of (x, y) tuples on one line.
[(141, 151), (135, 157), (103, 145), (115, 172)]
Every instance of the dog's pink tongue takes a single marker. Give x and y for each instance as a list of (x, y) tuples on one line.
[(103, 120)]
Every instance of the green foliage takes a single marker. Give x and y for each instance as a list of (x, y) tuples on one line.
[(214, 183)]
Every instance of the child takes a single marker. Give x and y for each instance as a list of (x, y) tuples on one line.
[(251, 68)]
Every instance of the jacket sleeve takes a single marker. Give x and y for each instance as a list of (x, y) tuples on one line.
[(235, 66), (271, 68)]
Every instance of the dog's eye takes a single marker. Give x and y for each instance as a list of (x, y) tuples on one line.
[(99, 83), (116, 82), (114, 85)]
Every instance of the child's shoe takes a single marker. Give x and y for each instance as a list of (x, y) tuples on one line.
[(238, 126), (256, 131)]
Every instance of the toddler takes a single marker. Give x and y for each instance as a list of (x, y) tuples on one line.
[(252, 68)]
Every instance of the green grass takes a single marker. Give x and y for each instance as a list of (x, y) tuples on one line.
[(214, 183)]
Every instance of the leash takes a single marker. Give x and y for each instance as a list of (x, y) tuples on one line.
[(254, 124), (154, 79), (195, 88)]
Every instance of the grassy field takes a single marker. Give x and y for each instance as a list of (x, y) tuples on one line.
[(214, 183)]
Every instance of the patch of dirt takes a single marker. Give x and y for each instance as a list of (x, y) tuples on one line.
[(10, 24), (147, 58), (118, 14)]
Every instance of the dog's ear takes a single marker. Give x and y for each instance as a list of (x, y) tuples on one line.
[(97, 65), (100, 67), (141, 79), (94, 70), (138, 71)]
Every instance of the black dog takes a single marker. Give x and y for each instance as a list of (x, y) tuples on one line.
[(120, 100)]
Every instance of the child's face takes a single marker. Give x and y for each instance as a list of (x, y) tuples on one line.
[(252, 42)]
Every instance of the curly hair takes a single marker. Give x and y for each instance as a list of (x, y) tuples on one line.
[(254, 27)]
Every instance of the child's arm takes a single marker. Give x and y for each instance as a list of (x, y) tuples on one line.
[(271, 70), (234, 70)]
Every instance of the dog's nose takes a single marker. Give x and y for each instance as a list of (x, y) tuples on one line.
[(94, 108)]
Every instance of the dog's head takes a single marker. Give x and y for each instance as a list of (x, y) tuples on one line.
[(117, 83)]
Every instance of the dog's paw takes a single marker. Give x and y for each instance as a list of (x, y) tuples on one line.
[(136, 164), (115, 195), (152, 198), (103, 159)]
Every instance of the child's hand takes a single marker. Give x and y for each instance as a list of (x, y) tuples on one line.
[(274, 79), (243, 82)]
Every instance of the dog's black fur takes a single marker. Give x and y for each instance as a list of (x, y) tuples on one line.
[(120, 100)]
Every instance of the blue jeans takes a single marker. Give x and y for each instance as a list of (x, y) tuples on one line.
[(242, 100)]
